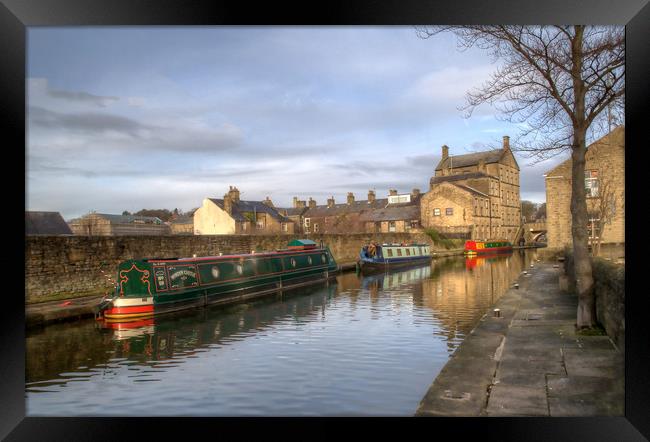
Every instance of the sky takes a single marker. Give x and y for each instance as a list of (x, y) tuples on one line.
[(130, 118)]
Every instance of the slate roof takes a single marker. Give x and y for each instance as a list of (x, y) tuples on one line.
[(45, 223), (470, 159), (293, 211), (459, 177), (343, 208), (363, 207), (128, 219), (393, 212), (238, 209), (470, 189)]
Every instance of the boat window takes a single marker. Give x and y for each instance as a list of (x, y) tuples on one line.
[(240, 269), (390, 252), (293, 262), (399, 252), (408, 252), (323, 258), (309, 260), (215, 272)]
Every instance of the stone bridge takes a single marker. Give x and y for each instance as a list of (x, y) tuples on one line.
[(535, 231)]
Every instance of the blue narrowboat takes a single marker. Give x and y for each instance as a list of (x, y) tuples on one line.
[(147, 287), (379, 257)]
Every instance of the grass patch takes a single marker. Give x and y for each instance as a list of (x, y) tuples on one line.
[(439, 239), (592, 331)]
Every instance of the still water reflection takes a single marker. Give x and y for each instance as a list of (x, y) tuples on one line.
[(358, 346)]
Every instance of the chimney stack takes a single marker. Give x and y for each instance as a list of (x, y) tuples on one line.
[(350, 198), (392, 192), (445, 152), (227, 203), (330, 202), (301, 204), (268, 202), (312, 203), (506, 142), (415, 193), (234, 194), (371, 196), (295, 202)]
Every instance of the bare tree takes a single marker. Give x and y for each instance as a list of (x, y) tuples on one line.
[(556, 80)]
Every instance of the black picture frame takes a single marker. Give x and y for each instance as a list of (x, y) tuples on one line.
[(16, 15)]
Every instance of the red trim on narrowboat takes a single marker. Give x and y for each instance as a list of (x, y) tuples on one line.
[(129, 310)]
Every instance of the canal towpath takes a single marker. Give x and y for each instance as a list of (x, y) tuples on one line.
[(529, 360)]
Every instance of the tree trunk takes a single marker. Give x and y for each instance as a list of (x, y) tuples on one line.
[(582, 262)]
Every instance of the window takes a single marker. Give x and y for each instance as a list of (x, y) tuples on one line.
[(436, 212), (449, 211), (408, 252), (415, 223), (391, 226), (285, 227), (260, 224), (399, 252), (306, 225), (593, 227), (315, 227), (389, 252), (591, 183)]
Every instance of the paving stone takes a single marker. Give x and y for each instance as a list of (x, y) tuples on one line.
[(591, 362), (586, 396), (517, 400)]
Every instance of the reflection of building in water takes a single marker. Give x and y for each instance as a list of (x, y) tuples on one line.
[(461, 294)]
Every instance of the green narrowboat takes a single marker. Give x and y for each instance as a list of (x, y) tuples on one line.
[(146, 287)]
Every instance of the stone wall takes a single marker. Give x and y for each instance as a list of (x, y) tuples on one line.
[(73, 265), (609, 288)]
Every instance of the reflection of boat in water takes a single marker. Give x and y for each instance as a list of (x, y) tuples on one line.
[(131, 329), (475, 247), (473, 261), (158, 285), (380, 257), (394, 278)]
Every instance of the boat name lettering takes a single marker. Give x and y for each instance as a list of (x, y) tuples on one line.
[(183, 272)]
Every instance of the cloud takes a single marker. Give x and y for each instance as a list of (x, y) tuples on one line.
[(89, 122)]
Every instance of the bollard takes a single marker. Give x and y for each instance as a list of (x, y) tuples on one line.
[(497, 313), (516, 286)]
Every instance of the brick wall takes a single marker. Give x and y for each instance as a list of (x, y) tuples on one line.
[(73, 265)]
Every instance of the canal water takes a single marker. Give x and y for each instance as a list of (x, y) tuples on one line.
[(360, 346)]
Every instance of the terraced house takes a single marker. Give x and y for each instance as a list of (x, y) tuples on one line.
[(395, 213), (475, 195), (231, 215)]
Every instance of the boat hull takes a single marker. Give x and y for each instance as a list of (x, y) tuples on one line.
[(375, 266), (159, 286)]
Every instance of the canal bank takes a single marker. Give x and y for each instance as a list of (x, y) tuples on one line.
[(529, 361)]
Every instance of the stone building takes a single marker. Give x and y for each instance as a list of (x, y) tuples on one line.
[(231, 215), (45, 223), (396, 213), (103, 224), (475, 195), (604, 177), (182, 224)]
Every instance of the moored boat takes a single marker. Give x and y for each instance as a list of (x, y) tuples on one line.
[(379, 257), (157, 285), (475, 247)]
